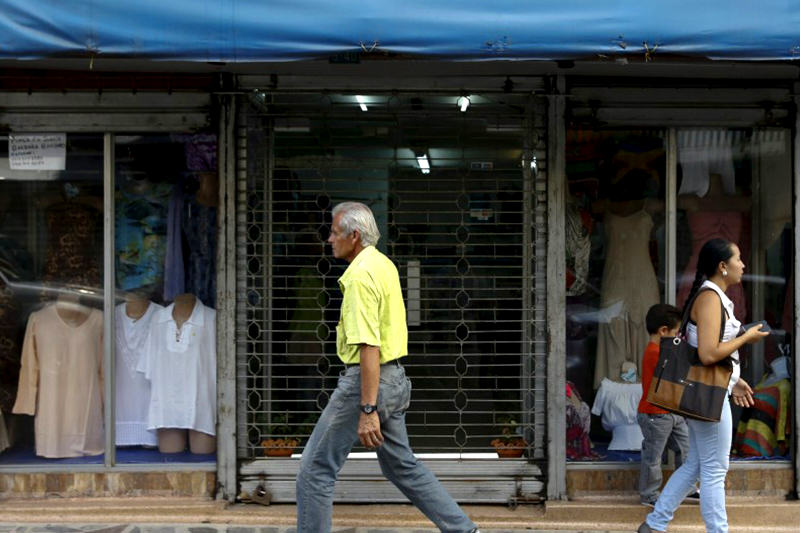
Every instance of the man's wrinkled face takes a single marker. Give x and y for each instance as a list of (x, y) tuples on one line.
[(343, 245)]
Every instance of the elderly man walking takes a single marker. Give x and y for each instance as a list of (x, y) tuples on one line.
[(373, 392)]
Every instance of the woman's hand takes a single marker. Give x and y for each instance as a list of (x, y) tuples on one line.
[(754, 334), (742, 394)]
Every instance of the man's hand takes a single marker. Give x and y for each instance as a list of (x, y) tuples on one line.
[(369, 430)]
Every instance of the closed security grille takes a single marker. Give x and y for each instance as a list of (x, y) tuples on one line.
[(459, 200)]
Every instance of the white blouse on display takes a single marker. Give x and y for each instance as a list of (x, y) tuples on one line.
[(181, 364), (617, 403), (132, 388)]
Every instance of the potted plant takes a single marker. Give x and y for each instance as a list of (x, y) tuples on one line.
[(283, 438), (510, 443)]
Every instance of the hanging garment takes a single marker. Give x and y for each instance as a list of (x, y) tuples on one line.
[(61, 383), (132, 388), (200, 230), (141, 234), (181, 365), (72, 253), (174, 274), (706, 225), (628, 290), (702, 152), (578, 251), (616, 404), (200, 150), (579, 421), (764, 429)]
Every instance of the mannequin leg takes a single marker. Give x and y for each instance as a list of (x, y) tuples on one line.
[(202, 442), (171, 440)]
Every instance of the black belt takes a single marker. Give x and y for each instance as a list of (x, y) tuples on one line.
[(395, 362)]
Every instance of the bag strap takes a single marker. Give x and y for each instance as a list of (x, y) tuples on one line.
[(688, 311)]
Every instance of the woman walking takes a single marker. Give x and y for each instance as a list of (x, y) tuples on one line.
[(719, 266)]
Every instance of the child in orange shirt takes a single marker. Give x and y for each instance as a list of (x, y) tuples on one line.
[(660, 428)]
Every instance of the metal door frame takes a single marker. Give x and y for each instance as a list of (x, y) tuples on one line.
[(281, 473)]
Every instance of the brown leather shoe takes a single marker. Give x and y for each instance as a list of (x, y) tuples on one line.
[(644, 528)]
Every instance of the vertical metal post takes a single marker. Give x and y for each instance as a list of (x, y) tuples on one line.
[(757, 265), (794, 329), (556, 294), (527, 391), (269, 260), (226, 303), (242, 311), (109, 300), (671, 222)]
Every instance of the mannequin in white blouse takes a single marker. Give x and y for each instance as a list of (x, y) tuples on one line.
[(173, 440), (136, 305), (70, 310), (133, 321)]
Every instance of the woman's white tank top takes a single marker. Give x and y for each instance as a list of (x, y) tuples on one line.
[(732, 326)]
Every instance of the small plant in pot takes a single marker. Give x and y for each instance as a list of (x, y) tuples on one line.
[(510, 443), (283, 438)]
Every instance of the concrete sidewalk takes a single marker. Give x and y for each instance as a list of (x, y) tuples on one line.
[(190, 515)]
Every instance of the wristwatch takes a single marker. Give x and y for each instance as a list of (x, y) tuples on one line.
[(368, 409)]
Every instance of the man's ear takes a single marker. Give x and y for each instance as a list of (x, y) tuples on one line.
[(357, 235)]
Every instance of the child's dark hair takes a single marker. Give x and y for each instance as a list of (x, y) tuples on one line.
[(662, 315)]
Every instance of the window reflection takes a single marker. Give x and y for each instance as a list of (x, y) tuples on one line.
[(736, 184), (615, 272), (732, 183), (51, 322), (165, 227)]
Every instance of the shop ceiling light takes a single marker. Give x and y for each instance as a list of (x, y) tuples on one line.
[(463, 103), (361, 102), (424, 164)]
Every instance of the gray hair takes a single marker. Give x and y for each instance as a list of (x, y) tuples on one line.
[(357, 216)]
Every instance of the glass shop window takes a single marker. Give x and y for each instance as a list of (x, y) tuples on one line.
[(615, 243), (165, 248), (736, 184), (51, 299), (733, 184)]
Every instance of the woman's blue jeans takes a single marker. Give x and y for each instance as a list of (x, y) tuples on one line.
[(708, 458), (335, 435)]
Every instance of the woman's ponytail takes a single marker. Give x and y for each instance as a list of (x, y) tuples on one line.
[(699, 278), (711, 255)]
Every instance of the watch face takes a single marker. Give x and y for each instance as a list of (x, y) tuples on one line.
[(367, 408)]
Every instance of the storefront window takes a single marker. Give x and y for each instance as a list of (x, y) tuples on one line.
[(733, 184), (615, 272), (736, 184), (51, 299), (165, 225)]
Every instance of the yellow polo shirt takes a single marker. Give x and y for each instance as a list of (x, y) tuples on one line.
[(372, 311)]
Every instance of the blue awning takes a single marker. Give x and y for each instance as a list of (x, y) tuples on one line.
[(283, 30)]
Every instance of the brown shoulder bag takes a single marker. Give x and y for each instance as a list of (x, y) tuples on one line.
[(682, 384)]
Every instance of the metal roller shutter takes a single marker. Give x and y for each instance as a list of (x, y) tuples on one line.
[(468, 236)]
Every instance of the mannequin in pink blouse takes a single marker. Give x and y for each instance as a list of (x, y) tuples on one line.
[(716, 214), (173, 440)]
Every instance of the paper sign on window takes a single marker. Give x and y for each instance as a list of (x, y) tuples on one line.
[(41, 151)]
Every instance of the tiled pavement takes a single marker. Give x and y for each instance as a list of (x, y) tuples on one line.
[(156, 528), (193, 515)]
